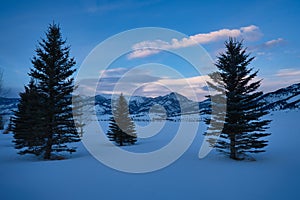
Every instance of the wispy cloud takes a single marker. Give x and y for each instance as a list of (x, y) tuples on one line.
[(272, 84), (288, 72), (267, 45), (195, 88), (147, 48), (146, 84), (115, 72), (272, 43), (141, 53), (281, 78), (139, 75)]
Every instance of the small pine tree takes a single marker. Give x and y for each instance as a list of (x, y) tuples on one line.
[(243, 128), (52, 71), (121, 127), (28, 122)]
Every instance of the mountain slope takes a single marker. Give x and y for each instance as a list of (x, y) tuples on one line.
[(7, 105), (175, 104), (282, 99)]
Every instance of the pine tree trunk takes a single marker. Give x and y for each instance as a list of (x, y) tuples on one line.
[(232, 147), (121, 141), (1, 123), (81, 132), (48, 150)]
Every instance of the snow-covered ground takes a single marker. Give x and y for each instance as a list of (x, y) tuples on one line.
[(275, 174)]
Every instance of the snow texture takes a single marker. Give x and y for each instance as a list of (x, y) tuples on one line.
[(274, 175)]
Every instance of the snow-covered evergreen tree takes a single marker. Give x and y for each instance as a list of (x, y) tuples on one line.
[(244, 129), (52, 71), (121, 127)]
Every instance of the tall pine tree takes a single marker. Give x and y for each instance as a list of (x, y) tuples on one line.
[(52, 71), (121, 127), (243, 130)]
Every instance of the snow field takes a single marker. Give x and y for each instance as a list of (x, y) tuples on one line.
[(274, 175)]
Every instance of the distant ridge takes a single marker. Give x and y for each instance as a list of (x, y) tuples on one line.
[(283, 99), (174, 104)]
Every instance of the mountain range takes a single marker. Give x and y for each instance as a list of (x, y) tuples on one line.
[(282, 99), (174, 104)]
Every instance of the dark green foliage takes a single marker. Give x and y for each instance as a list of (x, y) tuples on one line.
[(244, 129), (52, 71), (121, 127), (28, 122)]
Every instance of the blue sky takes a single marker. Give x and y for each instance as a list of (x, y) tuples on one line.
[(273, 38)]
